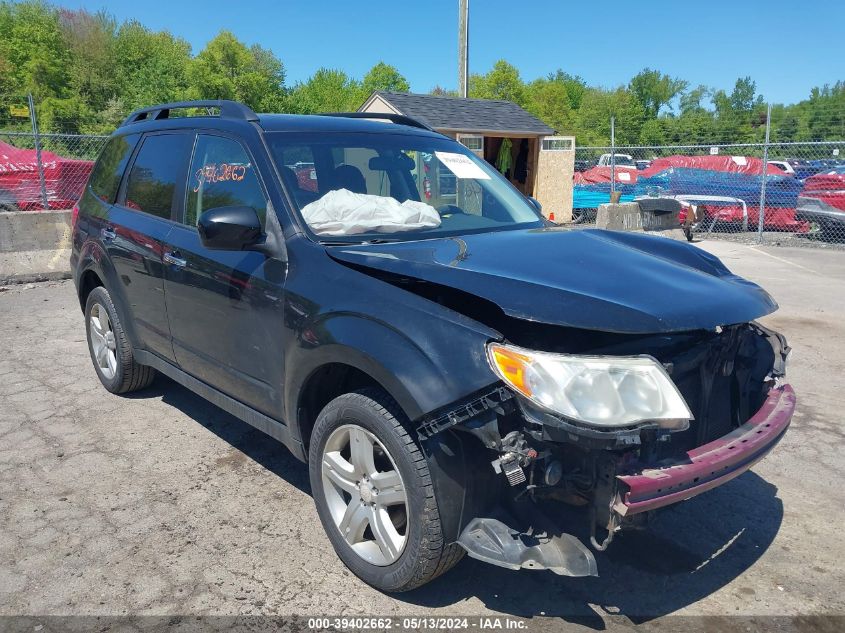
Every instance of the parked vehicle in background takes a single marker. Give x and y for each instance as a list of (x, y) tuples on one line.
[(584, 165), (784, 166), (806, 168), (445, 377), (642, 164), (822, 202), (625, 161)]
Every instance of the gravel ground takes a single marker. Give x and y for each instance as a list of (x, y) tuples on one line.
[(162, 504)]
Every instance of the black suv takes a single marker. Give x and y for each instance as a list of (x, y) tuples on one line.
[(453, 368)]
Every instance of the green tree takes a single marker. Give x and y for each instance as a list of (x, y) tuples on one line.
[(328, 90), (384, 77), (555, 99), (742, 99), (593, 118), (34, 55), (149, 67), (654, 90), (90, 39), (548, 100), (440, 91), (502, 82), (690, 101), (227, 69)]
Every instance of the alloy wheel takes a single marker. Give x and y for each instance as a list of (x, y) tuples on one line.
[(365, 494), (102, 341)]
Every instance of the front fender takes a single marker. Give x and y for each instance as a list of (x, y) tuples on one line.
[(421, 375)]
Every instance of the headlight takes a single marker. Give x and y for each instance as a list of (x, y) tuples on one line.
[(602, 391)]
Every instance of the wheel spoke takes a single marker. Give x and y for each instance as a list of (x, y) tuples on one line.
[(390, 488), (361, 449), (354, 522), (96, 338), (340, 472), (96, 323), (111, 361), (387, 538), (102, 353)]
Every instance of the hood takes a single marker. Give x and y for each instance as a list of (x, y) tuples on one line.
[(589, 279)]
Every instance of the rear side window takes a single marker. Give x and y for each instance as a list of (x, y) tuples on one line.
[(153, 179), (222, 175), (105, 179)]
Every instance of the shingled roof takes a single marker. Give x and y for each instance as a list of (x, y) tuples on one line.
[(464, 115)]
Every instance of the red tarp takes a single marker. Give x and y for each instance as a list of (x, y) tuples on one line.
[(829, 188), (599, 175), (825, 182), (748, 165), (64, 178)]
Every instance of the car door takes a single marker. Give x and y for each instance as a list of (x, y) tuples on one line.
[(225, 307), (137, 226)]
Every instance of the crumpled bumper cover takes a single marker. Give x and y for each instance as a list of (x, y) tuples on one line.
[(712, 464)]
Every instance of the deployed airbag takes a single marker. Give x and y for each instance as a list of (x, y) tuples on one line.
[(343, 212)]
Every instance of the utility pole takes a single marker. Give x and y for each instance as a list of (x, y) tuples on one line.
[(463, 47)]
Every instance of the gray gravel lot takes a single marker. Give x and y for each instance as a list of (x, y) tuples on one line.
[(162, 504)]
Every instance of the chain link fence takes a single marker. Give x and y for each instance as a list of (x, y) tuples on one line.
[(774, 191), (777, 192), (38, 170)]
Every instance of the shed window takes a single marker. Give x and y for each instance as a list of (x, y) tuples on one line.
[(557, 144), (472, 142)]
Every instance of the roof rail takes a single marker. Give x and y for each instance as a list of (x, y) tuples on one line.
[(228, 110), (399, 119)]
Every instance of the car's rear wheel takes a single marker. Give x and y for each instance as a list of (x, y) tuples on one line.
[(109, 348), (374, 494)]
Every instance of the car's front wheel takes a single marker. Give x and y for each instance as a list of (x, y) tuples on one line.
[(374, 494)]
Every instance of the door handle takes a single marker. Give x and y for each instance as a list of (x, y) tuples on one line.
[(174, 259), (108, 234)]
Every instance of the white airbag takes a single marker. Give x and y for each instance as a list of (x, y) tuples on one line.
[(342, 212)]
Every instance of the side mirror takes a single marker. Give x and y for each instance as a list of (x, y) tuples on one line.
[(229, 228), (536, 204)]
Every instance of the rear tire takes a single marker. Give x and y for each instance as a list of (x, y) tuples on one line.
[(109, 348), (420, 553)]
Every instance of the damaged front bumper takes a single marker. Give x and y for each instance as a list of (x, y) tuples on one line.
[(710, 465)]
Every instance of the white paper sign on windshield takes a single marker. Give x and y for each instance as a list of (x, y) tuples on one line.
[(623, 175), (461, 166)]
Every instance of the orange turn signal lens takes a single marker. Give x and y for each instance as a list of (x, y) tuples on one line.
[(511, 367)]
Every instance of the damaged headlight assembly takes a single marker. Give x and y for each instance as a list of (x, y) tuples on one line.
[(598, 391)]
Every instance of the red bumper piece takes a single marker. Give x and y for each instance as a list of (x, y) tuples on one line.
[(713, 464)]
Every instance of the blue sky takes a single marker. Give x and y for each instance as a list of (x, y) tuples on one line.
[(786, 46)]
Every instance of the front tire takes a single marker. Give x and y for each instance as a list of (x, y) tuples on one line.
[(374, 494), (109, 348)]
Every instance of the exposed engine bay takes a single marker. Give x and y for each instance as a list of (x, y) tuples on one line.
[(527, 458)]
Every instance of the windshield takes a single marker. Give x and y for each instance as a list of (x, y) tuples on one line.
[(363, 187)]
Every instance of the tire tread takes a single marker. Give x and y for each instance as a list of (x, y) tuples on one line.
[(134, 376)]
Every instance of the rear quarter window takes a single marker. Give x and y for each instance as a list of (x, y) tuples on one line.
[(105, 178), (158, 173)]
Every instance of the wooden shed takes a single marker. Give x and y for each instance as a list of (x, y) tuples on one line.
[(541, 164)]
